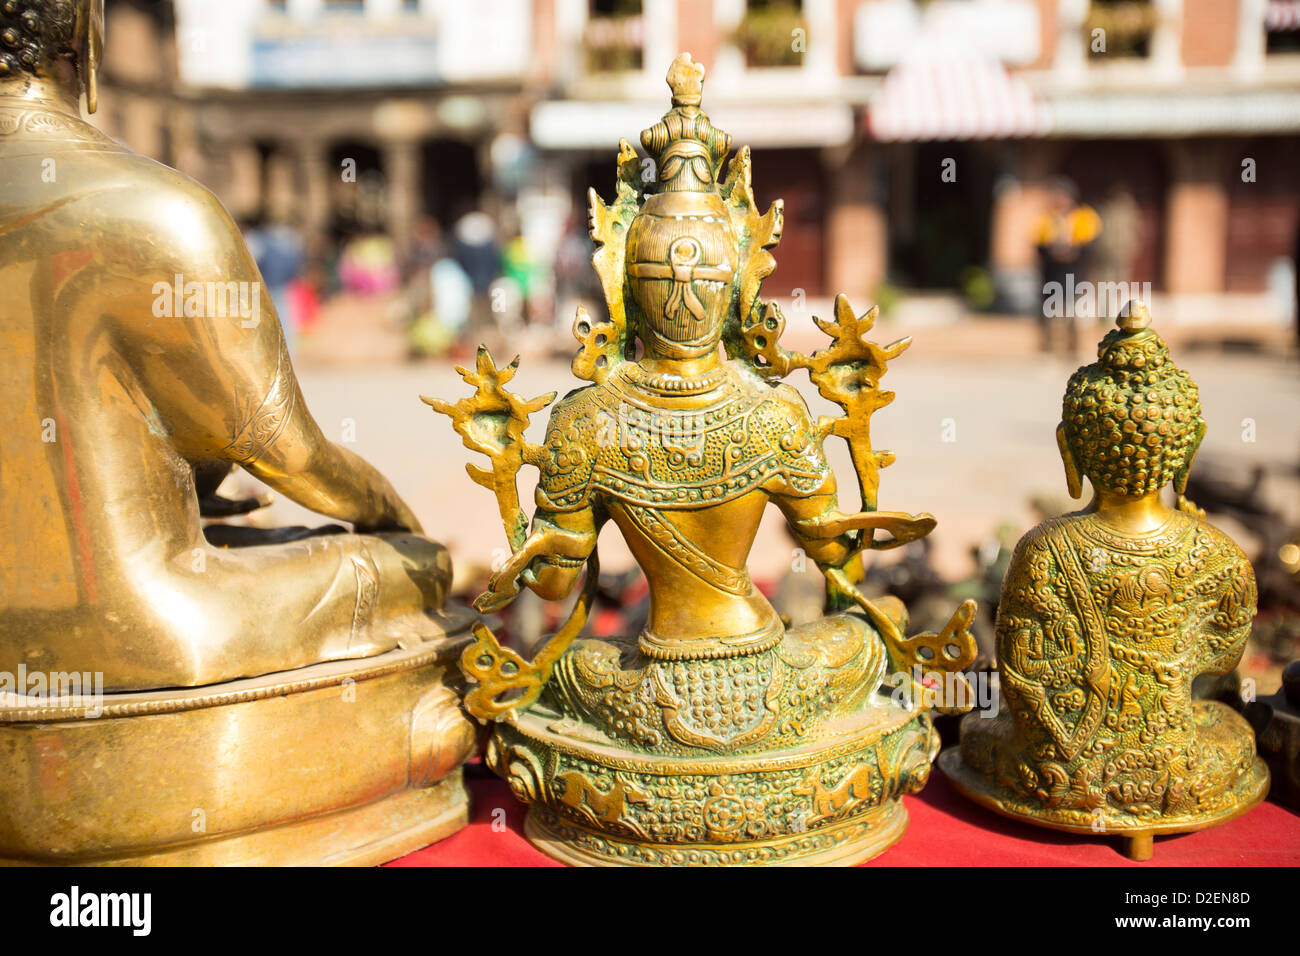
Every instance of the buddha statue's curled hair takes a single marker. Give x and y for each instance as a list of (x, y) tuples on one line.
[(1131, 418), (33, 33)]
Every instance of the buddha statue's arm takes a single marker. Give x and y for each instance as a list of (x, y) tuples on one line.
[(227, 390), (1028, 608), (828, 535), (806, 516), (832, 538), (1228, 615), (332, 481), (549, 562)]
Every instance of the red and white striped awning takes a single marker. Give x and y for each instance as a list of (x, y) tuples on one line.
[(1282, 15), (940, 97)]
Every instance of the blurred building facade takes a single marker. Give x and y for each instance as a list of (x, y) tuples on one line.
[(912, 141)]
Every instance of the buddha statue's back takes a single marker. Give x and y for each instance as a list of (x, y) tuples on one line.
[(140, 340), (1107, 615), (149, 670)]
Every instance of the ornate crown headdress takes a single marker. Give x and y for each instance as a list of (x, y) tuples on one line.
[(689, 149), (689, 152)]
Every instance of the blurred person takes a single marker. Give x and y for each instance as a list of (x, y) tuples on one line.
[(439, 328), (1117, 246), (305, 293), (427, 246), (279, 253), (368, 265), (1063, 236), (474, 247), (516, 264), (531, 275), (453, 295), (574, 276)]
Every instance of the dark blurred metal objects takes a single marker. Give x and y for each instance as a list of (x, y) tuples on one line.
[(1276, 720)]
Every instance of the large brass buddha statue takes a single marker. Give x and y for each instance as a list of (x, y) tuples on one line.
[(249, 692), (1108, 615), (718, 735)]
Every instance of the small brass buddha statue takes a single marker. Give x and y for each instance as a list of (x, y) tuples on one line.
[(248, 698), (718, 735), (1106, 617)]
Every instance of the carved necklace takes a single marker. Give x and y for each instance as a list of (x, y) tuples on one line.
[(1169, 531), (667, 384)]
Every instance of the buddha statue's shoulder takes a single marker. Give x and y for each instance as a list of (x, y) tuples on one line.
[(165, 202), (127, 197), (577, 403), (580, 423), (1191, 551), (1036, 545), (1180, 536), (777, 402), (1216, 540)]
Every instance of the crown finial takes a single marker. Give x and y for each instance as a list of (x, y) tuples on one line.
[(1134, 316), (686, 80)]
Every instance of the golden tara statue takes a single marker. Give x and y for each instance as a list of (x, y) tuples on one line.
[(166, 700), (1106, 617), (717, 735)]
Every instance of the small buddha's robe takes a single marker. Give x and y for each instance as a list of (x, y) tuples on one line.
[(1100, 636)]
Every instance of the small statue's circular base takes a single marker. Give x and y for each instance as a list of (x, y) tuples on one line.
[(833, 801), (1250, 789)]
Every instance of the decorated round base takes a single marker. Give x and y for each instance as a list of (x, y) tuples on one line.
[(1251, 788), (845, 844), (836, 801)]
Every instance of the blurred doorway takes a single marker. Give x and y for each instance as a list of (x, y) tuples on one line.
[(945, 222)]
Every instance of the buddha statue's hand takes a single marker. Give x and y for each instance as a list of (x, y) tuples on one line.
[(501, 591), (208, 479), (218, 506), (901, 526), (393, 515)]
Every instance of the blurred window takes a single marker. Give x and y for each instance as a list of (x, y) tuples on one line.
[(766, 34), (614, 39), (345, 6), (1125, 26), (1282, 26)]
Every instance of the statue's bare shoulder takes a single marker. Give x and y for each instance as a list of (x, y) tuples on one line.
[(125, 200)]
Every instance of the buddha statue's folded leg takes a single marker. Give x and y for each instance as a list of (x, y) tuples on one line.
[(1224, 744), (220, 614), (840, 658), (827, 668)]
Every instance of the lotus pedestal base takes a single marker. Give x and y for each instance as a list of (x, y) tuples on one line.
[(351, 762), (834, 802)]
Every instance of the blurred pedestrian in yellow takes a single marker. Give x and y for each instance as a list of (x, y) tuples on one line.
[(1063, 235)]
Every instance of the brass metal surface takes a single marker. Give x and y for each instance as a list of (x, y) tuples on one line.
[(1106, 617), (717, 735), (351, 762), (143, 360)]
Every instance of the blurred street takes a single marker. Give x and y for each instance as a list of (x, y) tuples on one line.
[(1002, 397), (999, 176)]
